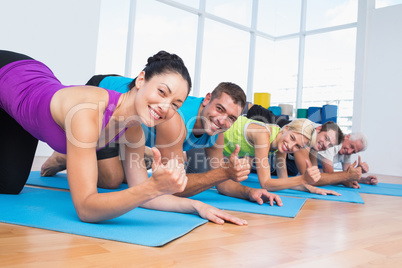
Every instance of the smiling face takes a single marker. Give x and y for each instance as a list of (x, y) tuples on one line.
[(351, 147), (158, 98), (325, 139), (291, 142), (219, 114)]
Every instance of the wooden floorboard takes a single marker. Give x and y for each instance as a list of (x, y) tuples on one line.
[(324, 234)]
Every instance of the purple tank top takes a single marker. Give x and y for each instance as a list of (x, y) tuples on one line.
[(26, 89)]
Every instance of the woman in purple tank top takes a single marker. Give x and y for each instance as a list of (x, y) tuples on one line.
[(78, 120)]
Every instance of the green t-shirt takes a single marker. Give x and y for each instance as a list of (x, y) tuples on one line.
[(236, 135)]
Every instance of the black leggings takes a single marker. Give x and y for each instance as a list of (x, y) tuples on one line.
[(17, 146)]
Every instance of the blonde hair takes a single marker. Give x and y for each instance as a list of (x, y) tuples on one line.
[(306, 128)]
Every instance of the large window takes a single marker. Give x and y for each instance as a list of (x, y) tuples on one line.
[(276, 70), (279, 18), (329, 72), (322, 14), (300, 51), (225, 56), (238, 11), (387, 3), (112, 40), (161, 27)]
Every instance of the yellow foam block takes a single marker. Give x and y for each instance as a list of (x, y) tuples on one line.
[(263, 99)]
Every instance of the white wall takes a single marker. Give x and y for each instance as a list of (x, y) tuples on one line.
[(62, 34), (380, 108)]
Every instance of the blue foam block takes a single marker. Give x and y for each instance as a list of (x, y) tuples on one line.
[(282, 116), (276, 110), (290, 208), (329, 113), (54, 210), (346, 195), (314, 114)]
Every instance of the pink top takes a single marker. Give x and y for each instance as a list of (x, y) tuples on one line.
[(26, 89)]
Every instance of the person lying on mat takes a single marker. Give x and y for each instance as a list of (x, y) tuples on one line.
[(258, 140), (328, 134), (352, 144), (326, 148), (351, 174), (200, 124), (78, 120)]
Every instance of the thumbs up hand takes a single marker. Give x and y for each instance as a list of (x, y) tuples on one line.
[(364, 166), (312, 173), (170, 178), (238, 169), (355, 172)]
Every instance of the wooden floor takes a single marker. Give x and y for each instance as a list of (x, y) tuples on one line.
[(324, 234)]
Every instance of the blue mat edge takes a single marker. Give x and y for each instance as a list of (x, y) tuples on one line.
[(64, 185), (160, 243)]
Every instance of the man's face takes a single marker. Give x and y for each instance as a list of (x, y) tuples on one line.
[(219, 114), (350, 147), (325, 139)]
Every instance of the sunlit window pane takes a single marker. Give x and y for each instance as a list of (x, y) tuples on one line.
[(321, 14), (191, 3), (279, 17), (112, 38), (386, 3), (225, 56), (238, 11), (161, 27), (275, 70), (329, 73), (328, 61)]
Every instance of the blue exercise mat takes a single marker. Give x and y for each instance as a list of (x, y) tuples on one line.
[(346, 195), (380, 188), (58, 181), (290, 208), (54, 210)]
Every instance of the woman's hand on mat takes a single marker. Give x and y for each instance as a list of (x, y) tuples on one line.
[(312, 173), (364, 166), (238, 169), (216, 215), (170, 178), (316, 190), (372, 179), (355, 172), (262, 196)]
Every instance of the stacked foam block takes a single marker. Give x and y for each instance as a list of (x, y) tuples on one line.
[(323, 114), (318, 115)]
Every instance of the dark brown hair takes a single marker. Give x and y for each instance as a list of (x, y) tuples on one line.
[(330, 125), (164, 62), (234, 91)]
